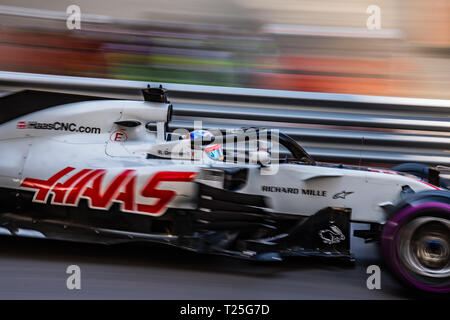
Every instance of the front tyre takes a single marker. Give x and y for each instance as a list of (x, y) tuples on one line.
[(416, 245)]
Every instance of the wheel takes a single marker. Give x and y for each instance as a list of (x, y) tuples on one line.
[(416, 245)]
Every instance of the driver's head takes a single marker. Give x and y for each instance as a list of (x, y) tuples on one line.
[(215, 151), (199, 134)]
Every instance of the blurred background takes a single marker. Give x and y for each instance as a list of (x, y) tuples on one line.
[(302, 45), (306, 45)]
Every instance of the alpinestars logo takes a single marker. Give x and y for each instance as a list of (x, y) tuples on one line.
[(89, 184), (58, 126), (342, 194)]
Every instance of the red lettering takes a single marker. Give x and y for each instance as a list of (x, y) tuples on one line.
[(118, 136), (99, 200), (44, 186), (163, 196), (121, 189), (60, 189), (127, 196), (74, 194)]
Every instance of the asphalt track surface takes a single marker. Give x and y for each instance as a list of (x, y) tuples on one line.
[(36, 269)]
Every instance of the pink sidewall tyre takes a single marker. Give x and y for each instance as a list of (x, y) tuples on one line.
[(416, 246)]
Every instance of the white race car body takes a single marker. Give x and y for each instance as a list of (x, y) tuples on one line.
[(106, 171), (42, 144)]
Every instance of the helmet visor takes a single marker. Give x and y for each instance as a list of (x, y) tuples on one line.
[(215, 152)]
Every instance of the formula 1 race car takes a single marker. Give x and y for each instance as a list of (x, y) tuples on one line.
[(86, 169)]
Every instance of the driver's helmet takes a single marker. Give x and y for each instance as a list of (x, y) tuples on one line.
[(215, 151), (198, 134)]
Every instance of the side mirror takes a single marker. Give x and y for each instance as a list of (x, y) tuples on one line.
[(259, 157)]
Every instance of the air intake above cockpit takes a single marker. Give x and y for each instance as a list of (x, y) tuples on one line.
[(155, 94)]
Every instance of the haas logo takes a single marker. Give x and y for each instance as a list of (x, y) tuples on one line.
[(89, 184)]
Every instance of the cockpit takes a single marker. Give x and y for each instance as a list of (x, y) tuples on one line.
[(245, 145)]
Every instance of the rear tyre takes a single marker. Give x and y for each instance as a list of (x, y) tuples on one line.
[(416, 245)]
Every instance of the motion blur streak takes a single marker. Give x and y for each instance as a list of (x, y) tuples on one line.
[(35, 269), (322, 46)]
